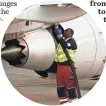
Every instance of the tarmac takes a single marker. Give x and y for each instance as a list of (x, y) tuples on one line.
[(36, 88)]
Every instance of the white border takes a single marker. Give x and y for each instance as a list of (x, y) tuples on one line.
[(10, 97)]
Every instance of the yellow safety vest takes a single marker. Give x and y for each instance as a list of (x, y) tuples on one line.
[(60, 55)]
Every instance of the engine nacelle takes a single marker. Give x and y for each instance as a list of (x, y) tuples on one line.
[(37, 53)]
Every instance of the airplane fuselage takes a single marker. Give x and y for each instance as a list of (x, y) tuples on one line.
[(40, 45)]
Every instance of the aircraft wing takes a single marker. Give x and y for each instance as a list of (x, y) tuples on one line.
[(47, 12), (51, 13), (15, 20)]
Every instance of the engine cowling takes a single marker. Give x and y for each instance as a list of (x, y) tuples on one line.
[(36, 50)]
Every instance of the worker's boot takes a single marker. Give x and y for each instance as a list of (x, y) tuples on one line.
[(63, 101), (70, 101)]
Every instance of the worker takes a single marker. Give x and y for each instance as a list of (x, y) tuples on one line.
[(66, 88)]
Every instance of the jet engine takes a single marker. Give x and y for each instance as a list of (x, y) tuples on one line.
[(34, 51)]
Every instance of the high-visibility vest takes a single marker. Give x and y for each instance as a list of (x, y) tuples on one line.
[(60, 55)]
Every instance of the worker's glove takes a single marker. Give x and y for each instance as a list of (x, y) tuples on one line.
[(58, 32)]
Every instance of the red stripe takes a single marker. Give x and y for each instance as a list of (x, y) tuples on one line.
[(62, 98)]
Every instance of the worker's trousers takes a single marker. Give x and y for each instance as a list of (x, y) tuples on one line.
[(66, 88)]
